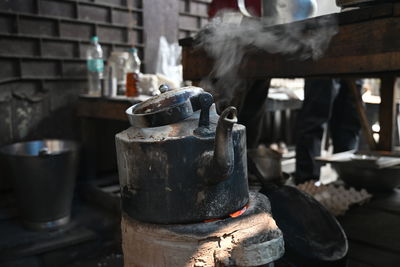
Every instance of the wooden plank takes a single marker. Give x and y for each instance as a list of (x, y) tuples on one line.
[(367, 47), (103, 109), (373, 228), (389, 202), (276, 66), (366, 255), (366, 13), (17, 242), (387, 113)]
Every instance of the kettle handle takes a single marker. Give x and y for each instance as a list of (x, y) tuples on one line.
[(203, 102), (242, 7), (206, 100)]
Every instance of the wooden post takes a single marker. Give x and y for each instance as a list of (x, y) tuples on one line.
[(366, 128), (387, 113)]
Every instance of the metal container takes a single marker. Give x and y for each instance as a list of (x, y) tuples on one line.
[(180, 162), (282, 11), (43, 174), (115, 74), (366, 170), (370, 178)]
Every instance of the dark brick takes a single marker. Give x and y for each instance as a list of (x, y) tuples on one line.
[(111, 34), (59, 49), (63, 99), (187, 22), (203, 22), (5, 111), (184, 6), (57, 8), (183, 34), (37, 68), (74, 69), (84, 47), (27, 6), (76, 30), (38, 27), (18, 46), (64, 93), (94, 13), (111, 2), (9, 69), (126, 18), (125, 48), (134, 3), (135, 37), (30, 107), (199, 9), (122, 48), (6, 24)]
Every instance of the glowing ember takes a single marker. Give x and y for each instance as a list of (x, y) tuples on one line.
[(232, 215)]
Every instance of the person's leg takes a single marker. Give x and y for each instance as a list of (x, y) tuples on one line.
[(318, 100), (345, 123)]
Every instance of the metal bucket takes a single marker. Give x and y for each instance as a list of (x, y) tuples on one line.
[(43, 174)]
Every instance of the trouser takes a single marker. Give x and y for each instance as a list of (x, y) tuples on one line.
[(325, 101)]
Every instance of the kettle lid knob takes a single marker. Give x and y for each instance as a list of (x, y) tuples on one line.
[(164, 88)]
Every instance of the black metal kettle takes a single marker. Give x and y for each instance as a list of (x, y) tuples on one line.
[(180, 162)]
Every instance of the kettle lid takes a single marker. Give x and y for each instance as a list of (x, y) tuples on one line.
[(169, 107)]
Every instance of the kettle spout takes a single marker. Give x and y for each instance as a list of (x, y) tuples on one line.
[(223, 158)]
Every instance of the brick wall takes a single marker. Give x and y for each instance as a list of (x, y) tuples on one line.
[(42, 55), (192, 16)]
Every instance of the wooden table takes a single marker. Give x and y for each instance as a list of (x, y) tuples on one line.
[(366, 45), (101, 118)]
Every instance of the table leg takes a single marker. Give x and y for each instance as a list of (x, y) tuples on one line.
[(387, 113)]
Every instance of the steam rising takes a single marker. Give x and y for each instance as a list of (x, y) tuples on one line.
[(227, 36)]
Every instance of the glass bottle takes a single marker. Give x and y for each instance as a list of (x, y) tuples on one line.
[(95, 66), (132, 73)]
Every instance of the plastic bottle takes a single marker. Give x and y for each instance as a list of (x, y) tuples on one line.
[(132, 73), (95, 66)]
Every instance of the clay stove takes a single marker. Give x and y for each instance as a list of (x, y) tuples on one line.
[(251, 239), (185, 197)]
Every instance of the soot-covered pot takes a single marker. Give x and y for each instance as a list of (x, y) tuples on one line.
[(180, 162)]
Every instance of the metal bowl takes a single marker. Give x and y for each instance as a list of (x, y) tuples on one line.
[(371, 178)]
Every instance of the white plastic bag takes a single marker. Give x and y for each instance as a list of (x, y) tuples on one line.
[(169, 61)]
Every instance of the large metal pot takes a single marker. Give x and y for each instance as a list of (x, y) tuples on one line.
[(180, 162), (43, 174)]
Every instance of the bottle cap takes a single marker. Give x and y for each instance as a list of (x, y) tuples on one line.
[(94, 39), (132, 49)]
